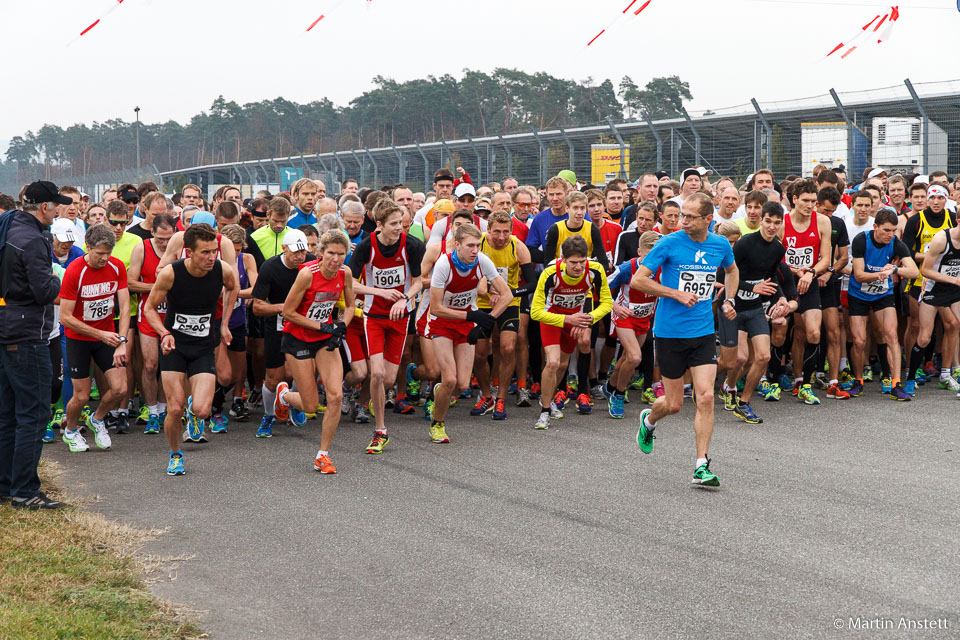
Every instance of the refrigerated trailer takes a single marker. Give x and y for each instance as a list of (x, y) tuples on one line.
[(827, 143), (898, 145)]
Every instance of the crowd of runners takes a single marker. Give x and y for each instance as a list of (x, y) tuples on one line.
[(185, 315)]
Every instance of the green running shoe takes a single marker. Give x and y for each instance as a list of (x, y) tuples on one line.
[(867, 374), (648, 396), (729, 400), (645, 436), (704, 477), (807, 396)]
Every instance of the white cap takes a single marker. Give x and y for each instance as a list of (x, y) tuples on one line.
[(876, 172), (463, 189), (704, 172), (924, 178), (295, 239), (937, 190), (64, 230)]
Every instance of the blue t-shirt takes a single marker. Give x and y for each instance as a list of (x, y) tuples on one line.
[(299, 218), (75, 252), (541, 224), (687, 266)]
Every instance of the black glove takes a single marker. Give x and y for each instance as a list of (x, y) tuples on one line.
[(336, 329), (477, 333), (481, 318), (334, 343)]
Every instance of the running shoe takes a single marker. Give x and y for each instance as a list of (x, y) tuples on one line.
[(428, 410), (583, 404), (512, 389), (807, 396), (75, 441), (648, 396), (101, 435), (266, 427), (846, 380), (930, 370), (600, 391), (195, 425), (94, 392), (218, 423), (947, 382), (390, 399), (786, 384), (523, 397), (280, 409), (500, 409), (144, 416), (899, 394), (484, 406), (362, 415), (535, 391), (239, 411), (772, 394), (36, 503), (494, 390), (323, 464), (820, 380), (956, 374), (921, 377), (572, 383), (745, 412), (605, 391), (377, 443), (297, 417), (438, 434), (729, 399), (153, 425), (636, 382), (175, 466), (255, 399), (465, 394), (834, 391), (910, 388), (121, 423), (413, 385), (658, 389), (559, 399), (857, 389), (645, 436), (867, 374), (555, 412), (403, 407), (886, 385), (543, 422), (704, 477), (687, 391), (321, 400), (49, 435), (615, 406), (58, 420)]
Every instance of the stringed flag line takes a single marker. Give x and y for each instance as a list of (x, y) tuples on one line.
[(328, 12), (633, 13), (113, 7), (869, 32)]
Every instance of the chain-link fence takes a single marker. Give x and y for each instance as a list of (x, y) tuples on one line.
[(901, 128), (93, 184)]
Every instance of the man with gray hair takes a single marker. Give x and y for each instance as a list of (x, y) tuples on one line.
[(28, 288), (90, 286), (353, 215)]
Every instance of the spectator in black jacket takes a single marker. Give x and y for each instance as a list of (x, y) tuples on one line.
[(28, 289)]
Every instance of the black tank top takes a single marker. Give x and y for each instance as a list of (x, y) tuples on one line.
[(192, 305), (947, 263)]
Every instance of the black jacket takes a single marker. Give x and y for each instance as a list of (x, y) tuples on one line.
[(28, 284)]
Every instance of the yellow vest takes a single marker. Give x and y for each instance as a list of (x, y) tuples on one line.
[(123, 251), (584, 232), (507, 264), (927, 232)]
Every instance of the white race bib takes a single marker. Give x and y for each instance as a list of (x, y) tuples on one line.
[(388, 278), (951, 270), (94, 310), (162, 308), (876, 287), (196, 326), (320, 311), (641, 309), (799, 257), (279, 322), (569, 300), (461, 300), (504, 272), (698, 282), (749, 294), (845, 282)]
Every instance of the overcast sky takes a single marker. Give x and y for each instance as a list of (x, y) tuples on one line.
[(173, 57)]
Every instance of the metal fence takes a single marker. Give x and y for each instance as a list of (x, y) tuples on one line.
[(902, 128), (93, 184)]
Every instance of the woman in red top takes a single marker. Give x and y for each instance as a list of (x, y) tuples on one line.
[(312, 337)]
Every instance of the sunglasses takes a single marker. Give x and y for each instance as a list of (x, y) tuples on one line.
[(117, 223)]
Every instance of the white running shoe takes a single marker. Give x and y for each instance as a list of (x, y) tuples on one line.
[(101, 435), (75, 441), (555, 413), (543, 422)]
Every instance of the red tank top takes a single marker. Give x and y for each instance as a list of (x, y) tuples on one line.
[(641, 305), (318, 302), (382, 272), (460, 292), (803, 247), (567, 298), (148, 275)]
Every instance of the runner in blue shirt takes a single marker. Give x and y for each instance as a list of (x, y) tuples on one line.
[(557, 190), (683, 327), (304, 194)]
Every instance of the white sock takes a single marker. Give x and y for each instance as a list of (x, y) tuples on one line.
[(700, 461), (843, 364), (161, 407), (945, 373), (153, 410), (763, 378), (834, 380), (646, 423), (322, 453), (281, 395), (268, 398)]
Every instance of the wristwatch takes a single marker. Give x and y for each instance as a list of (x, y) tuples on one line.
[(732, 301), (123, 339)]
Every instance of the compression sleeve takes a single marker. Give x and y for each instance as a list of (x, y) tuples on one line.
[(550, 245)]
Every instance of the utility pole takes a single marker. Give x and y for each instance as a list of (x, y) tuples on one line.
[(136, 110)]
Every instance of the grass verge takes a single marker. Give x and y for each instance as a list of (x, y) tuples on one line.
[(75, 574)]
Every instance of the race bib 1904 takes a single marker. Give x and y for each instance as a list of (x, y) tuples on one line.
[(190, 325), (94, 310), (388, 278), (699, 283), (799, 257)]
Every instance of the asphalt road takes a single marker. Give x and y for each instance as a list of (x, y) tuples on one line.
[(828, 518)]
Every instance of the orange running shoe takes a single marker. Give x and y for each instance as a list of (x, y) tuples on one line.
[(280, 410), (834, 391), (323, 464)]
